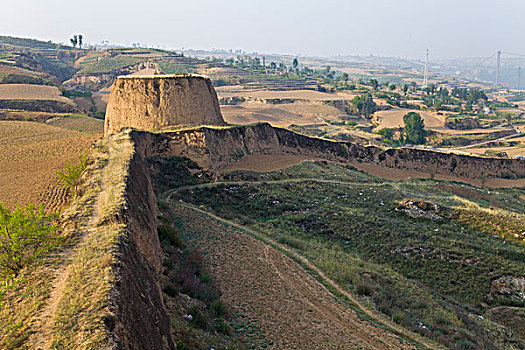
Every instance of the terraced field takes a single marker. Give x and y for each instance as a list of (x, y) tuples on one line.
[(30, 154), (31, 92)]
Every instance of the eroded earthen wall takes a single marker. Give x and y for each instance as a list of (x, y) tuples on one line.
[(156, 102)]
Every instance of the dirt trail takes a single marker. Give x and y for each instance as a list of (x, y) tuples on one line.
[(44, 322), (277, 297)]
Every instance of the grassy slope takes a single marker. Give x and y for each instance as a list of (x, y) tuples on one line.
[(430, 276)]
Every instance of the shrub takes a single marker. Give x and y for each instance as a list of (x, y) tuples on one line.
[(70, 174), (200, 319), (464, 344), (364, 288), (217, 308), (169, 234), (222, 327), (25, 235)]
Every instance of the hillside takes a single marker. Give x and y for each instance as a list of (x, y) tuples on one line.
[(176, 230)]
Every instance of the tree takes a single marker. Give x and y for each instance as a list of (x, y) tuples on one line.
[(295, 63), (25, 235), (364, 104), (345, 78), (374, 83), (414, 85), (80, 40), (405, 89), (74, 40), (414, 128), (392, 87)]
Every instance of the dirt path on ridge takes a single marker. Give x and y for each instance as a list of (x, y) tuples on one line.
[(275, 298)]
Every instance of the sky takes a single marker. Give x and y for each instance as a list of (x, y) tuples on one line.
[(400, 28)]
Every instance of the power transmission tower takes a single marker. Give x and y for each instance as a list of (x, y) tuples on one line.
[(425, 79), (497, 70)]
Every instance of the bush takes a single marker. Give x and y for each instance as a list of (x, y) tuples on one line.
[(70, 174), (218, 309), (200, 319), (364, 288), (25, 235), (170, 235), (222, 327)]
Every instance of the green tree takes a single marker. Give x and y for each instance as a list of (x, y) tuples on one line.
[(25, 235), (374, 83), (364, 104), (345, 78), (80, 37), (295, 63), (414, 85), (74, 41), (414, 128), (392, 87), (405, 89)]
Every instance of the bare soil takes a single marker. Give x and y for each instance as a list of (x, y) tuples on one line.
[(229, 91), (31, 92), (30, 155), (264, 163), (393, 118), (267, 163)]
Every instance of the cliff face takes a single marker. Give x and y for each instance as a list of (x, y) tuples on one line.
[(151, 103), (140, 320), (214, 149)]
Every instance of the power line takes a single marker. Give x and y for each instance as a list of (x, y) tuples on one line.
[(513, 54)]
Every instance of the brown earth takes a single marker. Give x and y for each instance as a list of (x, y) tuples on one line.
[(280, 115), (403, 174), (511, 151), (277, 301), (78, 123), (267, 163), (230, 91), (83, 102), (101, 101), (394, 118), (31, 92), (30, 154), (153, 102)]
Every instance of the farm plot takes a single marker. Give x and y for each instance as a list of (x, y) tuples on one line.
[(30, 154)]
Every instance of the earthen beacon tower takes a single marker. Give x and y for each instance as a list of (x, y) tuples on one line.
[(159, 101)]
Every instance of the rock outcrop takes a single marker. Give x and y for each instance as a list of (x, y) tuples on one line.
[(160, 101)]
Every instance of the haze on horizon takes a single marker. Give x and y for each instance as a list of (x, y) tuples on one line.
[(403, 28)]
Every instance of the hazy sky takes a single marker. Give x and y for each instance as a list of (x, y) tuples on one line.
[(450, 28)]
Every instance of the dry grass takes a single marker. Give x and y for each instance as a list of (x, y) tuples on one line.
[(78, 321)]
